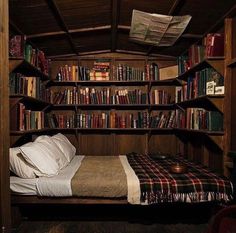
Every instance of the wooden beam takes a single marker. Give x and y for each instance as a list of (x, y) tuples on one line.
[(15, 28), (175, 7), (221, 20), (91, 29), (191, 36), (46, 34), (79, 30), (172, 11), (114, 23), (95, 52), (124, 27), (165, 57), (63, 55), (56, 12), (5, 213)]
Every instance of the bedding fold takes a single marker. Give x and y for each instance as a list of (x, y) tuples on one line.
[(100, 176)]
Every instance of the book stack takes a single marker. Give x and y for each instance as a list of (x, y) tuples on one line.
[(67, 73), (27, 119), (214, 43), (29, 86), (128, 73), (100, 71), (17, 46)]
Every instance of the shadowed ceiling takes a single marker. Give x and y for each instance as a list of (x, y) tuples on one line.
[(83, 27)]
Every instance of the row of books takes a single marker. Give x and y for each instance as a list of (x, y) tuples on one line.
[(112, 120), (199, 85), (199, 119), (29, 86), (213, 46), (27, 119), (96, 96), (159, 97), (20, 48), (101, 72)]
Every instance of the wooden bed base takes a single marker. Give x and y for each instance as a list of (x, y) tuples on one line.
[(22, 200)]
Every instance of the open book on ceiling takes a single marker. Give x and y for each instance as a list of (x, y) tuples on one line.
[(157, 29)]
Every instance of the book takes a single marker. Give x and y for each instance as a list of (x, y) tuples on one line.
[(168, 72), (16, 46), (214, 44)]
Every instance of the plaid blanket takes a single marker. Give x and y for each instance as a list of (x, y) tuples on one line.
[(157, 184)]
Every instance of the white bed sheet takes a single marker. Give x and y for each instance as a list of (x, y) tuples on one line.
[(60, 185), (23, 186)]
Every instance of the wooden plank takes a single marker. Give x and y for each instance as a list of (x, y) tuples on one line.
[(55, 10), (228, 80), (64, 200), (5, 215), (114, 23)]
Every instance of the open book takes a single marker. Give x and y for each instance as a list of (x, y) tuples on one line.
[(157, 29)]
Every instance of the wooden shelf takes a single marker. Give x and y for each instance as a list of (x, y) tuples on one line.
[(232, 63), (116, 106), (98, 83), (33, 131), (29, 99), (206, 132), (206, 101), (167, 82), (22, 66), (216, 62)]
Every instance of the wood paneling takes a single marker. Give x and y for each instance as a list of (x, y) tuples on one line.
[(4, 123)]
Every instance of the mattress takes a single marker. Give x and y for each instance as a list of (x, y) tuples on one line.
[(148, 181), (60, 185)]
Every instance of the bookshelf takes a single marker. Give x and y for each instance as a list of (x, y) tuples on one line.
[(230, 72), (210, 147), (26, 99), (126, 108)]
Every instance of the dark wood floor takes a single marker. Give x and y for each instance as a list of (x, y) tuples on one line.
[(115, 218), (107, 227)]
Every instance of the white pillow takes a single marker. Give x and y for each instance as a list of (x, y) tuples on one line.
[(65, 146), (20, 166), (44, 155), (56, 153)]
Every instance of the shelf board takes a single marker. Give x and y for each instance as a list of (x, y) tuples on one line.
[(22, 66), (169, 82), (98, 83), (206, 132), (229, 165), (215, 62), (102, 106), (32, 131), (162, 106), (232, 63), (206, 101), (29, 99), (166, 82)]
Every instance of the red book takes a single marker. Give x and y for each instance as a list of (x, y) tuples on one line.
[(215, 45)]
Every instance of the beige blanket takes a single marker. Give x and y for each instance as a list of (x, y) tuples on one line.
[(100, 176)]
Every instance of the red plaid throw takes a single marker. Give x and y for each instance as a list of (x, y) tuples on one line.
[(159, 185)]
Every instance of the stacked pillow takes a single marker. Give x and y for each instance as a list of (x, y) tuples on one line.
[(46, 156)]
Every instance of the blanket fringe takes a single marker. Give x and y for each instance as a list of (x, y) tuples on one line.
[(160, 197)]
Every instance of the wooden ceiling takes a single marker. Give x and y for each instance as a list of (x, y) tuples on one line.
[(83, 27)]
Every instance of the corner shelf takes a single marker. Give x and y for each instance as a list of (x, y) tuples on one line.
[(214, 100), (232, 63), (20, 65), (216, 62)]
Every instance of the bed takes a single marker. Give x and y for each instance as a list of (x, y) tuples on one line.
[(134, 179)]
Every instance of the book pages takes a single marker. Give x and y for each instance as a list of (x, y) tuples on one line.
[(157, 29)]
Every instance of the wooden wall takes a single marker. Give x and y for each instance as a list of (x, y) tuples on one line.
[(4, 123)]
